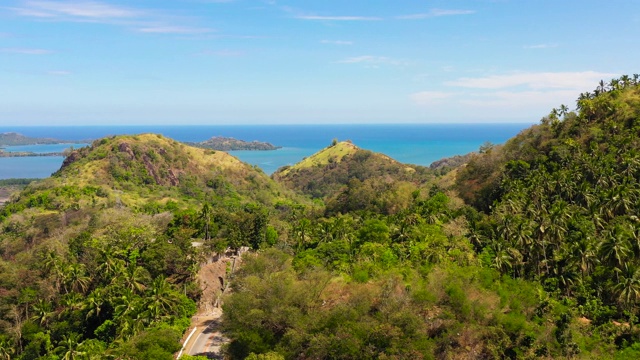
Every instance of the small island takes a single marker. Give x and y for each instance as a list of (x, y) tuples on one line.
[(230, 144), (16, 139), (8, 139)]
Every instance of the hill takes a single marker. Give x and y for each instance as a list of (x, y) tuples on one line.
[(561, 202), (230, 144), (344, 170), (132, 165), (100, 258)]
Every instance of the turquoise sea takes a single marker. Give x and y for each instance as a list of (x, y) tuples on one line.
[(414, 144)]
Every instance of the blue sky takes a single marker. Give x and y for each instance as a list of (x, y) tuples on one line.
[(113, 62)]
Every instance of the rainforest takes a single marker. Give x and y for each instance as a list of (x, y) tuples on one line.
[(524, 250)]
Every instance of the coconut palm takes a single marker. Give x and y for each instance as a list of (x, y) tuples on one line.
[(160, 299), (42, 312), (75, 278), (205, 217), (628, 286), (6, 349), (93, 303), (69, 347)]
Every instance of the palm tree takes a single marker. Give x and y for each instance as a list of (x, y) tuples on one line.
[(110, 263), (126, 303), (6, 349), (628, 286), (132, 277), (205, 216), (69, 347), (602, 87), (502, 259), (614, 249), (76, 278), (301, 232), (72, 301), (626, 80), (42, 311), (583, 256), (93, 303), (160, 299)]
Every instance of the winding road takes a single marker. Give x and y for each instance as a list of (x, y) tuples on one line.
[(207, 340)]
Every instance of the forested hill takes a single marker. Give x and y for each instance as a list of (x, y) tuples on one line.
[(360, 178), (543, 261), (135, 164), (99, 260), (563, 199)]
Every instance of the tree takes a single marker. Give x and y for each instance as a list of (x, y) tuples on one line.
[(6, 349), (628, 286), (205, 217), (76, 278), (160, 299), (42, 312), (69, 347), (93, 303)]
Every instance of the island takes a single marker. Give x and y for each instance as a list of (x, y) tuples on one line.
[(16, 139), (8, 139), (230, 144)]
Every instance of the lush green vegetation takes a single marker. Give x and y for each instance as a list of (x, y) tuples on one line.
[(361, 257), (562, 201), (348, 178), (229, 144), (98, 261)]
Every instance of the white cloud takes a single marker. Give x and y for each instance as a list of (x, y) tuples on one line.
[(337, 18), (141, 20), (430, 97), (26, 51), (436, 13), (74, 9), (174, 30), (337, 42), (539, 80)]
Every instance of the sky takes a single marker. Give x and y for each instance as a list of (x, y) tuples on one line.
[(139, 62)]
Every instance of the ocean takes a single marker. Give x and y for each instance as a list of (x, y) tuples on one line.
[(413, 144)]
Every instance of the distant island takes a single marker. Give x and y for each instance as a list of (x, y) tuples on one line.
[(16, 139), (230, 144)]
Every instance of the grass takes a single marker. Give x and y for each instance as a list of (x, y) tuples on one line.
[(334, 153)]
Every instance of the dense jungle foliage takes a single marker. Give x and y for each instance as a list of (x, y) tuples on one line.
[(98, 261), (530, 250)]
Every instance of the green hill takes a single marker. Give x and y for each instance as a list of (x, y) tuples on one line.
[(99, 258), (385, 262), (562, 200), (370, 180), (150, 168)]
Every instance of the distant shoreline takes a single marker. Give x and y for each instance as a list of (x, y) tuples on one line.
[(7, 154)]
